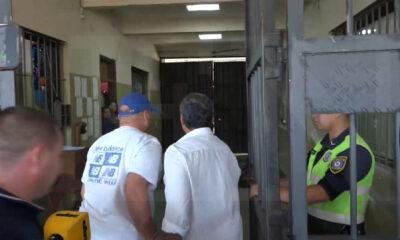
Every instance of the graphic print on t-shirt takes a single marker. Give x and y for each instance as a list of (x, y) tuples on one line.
[(104, 167)]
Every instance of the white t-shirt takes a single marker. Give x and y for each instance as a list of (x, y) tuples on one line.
[(110, 159), (201, 188)]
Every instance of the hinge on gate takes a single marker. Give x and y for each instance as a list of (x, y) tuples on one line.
[(274, 55), (273, 39)]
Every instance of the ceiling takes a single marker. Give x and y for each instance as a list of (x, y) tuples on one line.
[(174, 31)]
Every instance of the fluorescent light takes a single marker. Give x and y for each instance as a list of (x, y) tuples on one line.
[(203, 7), (210, 36), (226, 59)]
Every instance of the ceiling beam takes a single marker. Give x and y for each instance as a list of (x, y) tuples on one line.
[(123, 3)]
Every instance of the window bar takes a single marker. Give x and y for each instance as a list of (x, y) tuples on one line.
[(380, 19), (58, 74), (51, 69), (23, 65), (387, 16), (373, 21), (32, 70), (49, 105), (39, 68), (397, 16), (354, 26)]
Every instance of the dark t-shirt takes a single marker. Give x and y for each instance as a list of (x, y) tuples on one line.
[(18, 218), (335, 184), (107, 126)]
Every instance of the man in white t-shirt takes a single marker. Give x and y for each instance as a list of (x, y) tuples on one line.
[(120, 176), (201, 179)]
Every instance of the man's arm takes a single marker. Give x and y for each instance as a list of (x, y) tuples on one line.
[(315, 194), (83, 191), (139, 205), (176, 222), (284, 182)]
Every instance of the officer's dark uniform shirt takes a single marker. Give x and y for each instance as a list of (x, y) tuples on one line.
[(18, 219), (335, 184)]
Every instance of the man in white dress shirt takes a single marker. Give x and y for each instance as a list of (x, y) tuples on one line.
[(121, 174), (201, 179)]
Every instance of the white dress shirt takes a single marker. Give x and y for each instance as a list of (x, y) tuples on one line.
[(201, 188)]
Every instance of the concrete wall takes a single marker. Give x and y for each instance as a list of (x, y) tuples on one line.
[(87, 35)]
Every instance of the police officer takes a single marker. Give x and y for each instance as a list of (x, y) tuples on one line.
[(328, 178)]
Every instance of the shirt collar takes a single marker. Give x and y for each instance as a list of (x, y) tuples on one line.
[(9, 196), (336, 141), (197, 132)]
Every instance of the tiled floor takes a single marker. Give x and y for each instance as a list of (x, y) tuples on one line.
[(68, 202)]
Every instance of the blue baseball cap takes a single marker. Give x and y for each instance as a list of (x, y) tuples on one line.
[(137, 103)]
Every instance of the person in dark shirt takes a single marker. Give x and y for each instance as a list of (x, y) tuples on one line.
[(30, 148), (328, 178), (107, 124), (114, 113)]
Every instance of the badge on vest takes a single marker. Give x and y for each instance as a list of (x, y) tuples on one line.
[(338, 164), (327, 156)]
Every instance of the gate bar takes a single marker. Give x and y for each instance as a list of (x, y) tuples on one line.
[(353, 143), (397, 135), (353, 175), (297, 127), (350, 19)]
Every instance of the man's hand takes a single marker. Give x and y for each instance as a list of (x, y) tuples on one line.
[(253, 190), (83, 191), (285, 194), (315, 194)]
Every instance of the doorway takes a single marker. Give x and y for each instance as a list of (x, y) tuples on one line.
[(108, 81), (139, 81), (222, 81)]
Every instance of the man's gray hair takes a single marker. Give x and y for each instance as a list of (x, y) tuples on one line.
[(197, 110), (22, 128)]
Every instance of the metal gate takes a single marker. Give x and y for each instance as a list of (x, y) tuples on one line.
[(325, 75)]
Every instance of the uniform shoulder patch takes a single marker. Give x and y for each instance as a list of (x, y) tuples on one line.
[(338, 164)]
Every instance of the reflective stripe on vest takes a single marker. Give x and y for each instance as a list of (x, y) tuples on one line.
[(338, 210), (333, 217), (361, 190)]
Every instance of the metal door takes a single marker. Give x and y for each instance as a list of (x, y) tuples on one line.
[(325, 75)]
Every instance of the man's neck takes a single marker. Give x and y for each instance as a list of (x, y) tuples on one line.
[(337, 130), (127, 124), (14, 189)]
